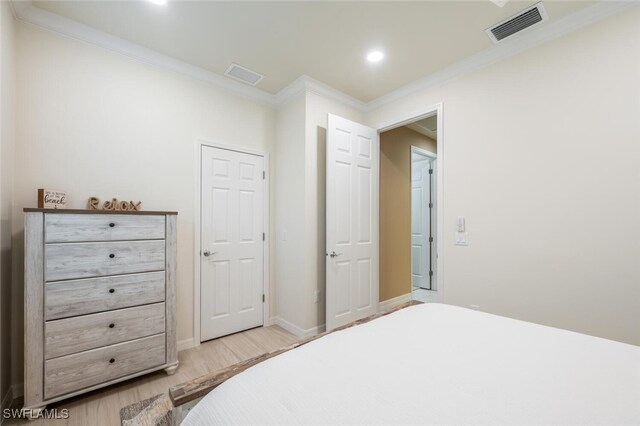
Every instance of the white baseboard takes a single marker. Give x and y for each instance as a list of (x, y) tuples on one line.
[(294, 329), (192, 342), (187, 344), (315, 330), (302, 333), (386, 305)]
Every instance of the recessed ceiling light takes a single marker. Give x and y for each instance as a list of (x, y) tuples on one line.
[(158, 2), (375, 56)]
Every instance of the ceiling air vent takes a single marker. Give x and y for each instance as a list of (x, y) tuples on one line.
[(243, 74), (513, 25)]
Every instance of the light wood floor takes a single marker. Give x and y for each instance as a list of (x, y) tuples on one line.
[(102, 407)]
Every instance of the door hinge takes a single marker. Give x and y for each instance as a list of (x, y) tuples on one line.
[(430, 205), (430, 239), (263, 298), (430, 171), (430, 273), (264, 175), (263, 236)]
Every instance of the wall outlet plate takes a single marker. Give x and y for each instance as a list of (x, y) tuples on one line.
[(462, 238)]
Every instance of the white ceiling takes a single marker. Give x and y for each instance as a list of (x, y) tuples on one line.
[(324, 40), (429, 123), (427, 126)]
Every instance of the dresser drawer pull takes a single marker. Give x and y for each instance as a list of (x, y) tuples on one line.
[(111, 225), (112, 325), (112, 255), (112, 360), (112, 290)]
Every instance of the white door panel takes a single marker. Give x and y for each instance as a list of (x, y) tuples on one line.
[(231, 267), (422, 222), (352, 221), (433, 252)]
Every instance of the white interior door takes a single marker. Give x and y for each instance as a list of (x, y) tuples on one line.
[(433, 221), (231, 258), (420, 220), (352, 221)]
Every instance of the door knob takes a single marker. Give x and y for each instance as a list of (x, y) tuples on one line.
[(334, 254), (208, 253)]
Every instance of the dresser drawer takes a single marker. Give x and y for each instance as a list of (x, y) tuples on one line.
[(86, 296), (78, 371), (71, 335), (64, 261), (62, 228)]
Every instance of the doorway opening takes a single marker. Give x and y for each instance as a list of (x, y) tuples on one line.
[(410, 210)]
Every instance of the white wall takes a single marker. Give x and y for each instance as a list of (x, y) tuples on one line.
[(95, 123), (541, 155), (290, 210), (7, 144)]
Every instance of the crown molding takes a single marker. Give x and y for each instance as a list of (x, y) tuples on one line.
[(548, 31), (294, 88), (304, 83), (319, 88), (27, 12)]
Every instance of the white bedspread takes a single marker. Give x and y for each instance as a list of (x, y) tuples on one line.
[(437, 364)]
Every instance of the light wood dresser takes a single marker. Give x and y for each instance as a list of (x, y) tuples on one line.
[(100, 300)]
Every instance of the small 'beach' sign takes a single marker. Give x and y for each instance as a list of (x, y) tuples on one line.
[(52, 199)]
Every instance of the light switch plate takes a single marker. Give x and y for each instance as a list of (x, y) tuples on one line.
[(462, 238)]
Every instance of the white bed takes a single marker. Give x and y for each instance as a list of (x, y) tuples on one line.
[(436, 364)]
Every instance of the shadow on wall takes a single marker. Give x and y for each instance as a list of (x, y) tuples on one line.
[(17, 307), (6, 308), (322, 221)]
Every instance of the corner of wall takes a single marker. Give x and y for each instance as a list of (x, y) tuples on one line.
[(7, 143), (289, 238)]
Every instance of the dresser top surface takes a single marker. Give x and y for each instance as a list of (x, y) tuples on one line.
[(87, 211)]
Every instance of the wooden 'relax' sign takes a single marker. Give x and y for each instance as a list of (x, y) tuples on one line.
[(52, 199), (114, 204)]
